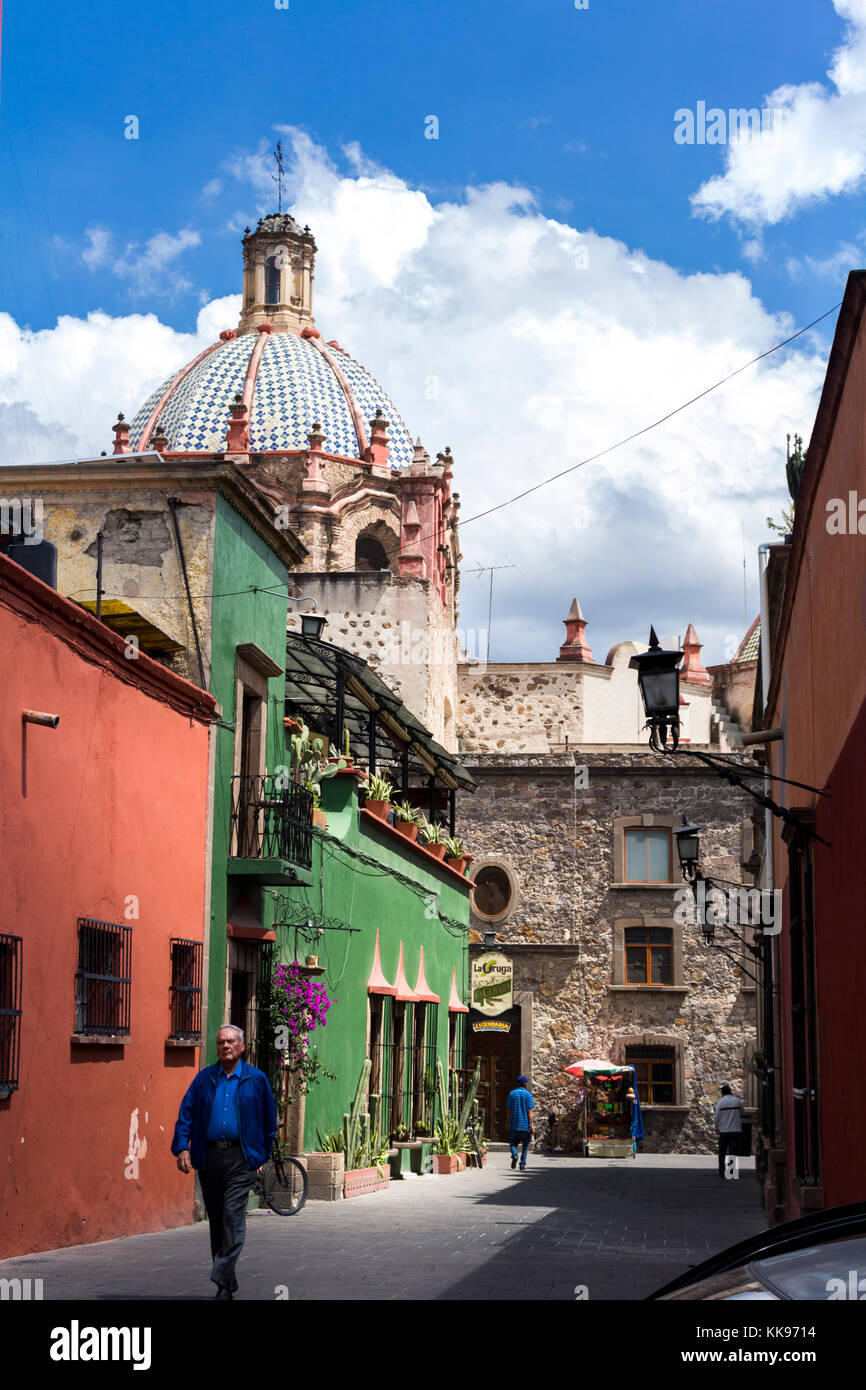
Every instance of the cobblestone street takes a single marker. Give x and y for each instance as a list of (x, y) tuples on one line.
[(621, 1228)]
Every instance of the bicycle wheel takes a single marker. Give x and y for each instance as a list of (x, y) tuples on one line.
[(285, 1186)]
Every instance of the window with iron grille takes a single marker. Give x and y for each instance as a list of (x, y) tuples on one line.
[(655, 1069), (10, 1012), (456, 1041), (424, 1065), (381, 1054), (103, 980), (185, 992), (648, 956), (402, 1064)]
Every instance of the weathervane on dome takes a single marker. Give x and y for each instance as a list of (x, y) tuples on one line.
[(280, 174)]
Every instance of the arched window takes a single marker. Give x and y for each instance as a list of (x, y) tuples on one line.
[(370, 553), (272, 281)]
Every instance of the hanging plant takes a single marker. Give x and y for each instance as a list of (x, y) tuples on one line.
[(299, 1006)]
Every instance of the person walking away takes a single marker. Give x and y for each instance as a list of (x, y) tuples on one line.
[(521, 1126), (729, 1123), (225, 1130)]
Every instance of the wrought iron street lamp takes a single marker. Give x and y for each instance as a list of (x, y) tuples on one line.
[(658, 675), (311, 623), (659, 680), (688, 849)]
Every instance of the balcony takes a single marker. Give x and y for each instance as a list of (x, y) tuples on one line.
[(271, 837)]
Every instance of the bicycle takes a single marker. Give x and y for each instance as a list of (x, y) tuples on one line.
[(283, 1183)]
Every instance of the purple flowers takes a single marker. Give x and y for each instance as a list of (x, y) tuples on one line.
[(303, 1005)]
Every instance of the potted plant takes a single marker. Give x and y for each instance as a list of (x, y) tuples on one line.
[(455, 855), (366, 1153), (448, 1153), (407, 820), (379, 792), (345, 758), (434, 839)]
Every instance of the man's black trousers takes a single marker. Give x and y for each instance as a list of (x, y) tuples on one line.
[(729, 1143), (225, 1185)]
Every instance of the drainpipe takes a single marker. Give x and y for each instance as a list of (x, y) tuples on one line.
[(172, 504), (769, 874)]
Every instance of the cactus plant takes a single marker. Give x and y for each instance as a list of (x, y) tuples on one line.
[(470, 1096), (442, 1090), (352, 1121)]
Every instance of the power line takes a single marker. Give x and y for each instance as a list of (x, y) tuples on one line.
[(655, 424)]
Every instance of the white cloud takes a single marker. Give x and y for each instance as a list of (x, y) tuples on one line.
[(819, 151), (541, 359), (834, 267), (148, 270)]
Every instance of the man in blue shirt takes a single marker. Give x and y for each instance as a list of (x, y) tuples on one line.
[(225, 1130), (521, 1127)]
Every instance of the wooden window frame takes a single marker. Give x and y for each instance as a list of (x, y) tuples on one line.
[(648, 946), (647, 821), (651, 922), (626, 1041)]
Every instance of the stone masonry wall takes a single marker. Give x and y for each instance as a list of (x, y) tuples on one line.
[(140, 565), (401, 628), (556, 838)]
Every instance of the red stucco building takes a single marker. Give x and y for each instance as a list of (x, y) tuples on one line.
[(814, 644), (103, 837)]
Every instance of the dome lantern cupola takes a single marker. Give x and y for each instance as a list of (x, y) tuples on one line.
[(279, 260)]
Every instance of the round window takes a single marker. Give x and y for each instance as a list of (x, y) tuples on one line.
[(493, 892)]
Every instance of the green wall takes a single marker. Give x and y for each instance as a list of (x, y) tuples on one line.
[(242, 560), (370, 896)]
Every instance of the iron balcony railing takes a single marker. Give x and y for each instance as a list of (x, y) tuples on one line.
[(272, 820)]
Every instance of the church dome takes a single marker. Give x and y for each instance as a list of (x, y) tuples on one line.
[(288, 379)]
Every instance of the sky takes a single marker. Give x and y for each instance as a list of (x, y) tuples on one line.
[(565, 263)]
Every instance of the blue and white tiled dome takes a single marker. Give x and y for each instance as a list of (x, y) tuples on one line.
[(297, 383)]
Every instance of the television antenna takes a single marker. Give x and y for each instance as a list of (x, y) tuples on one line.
[(491, 570)]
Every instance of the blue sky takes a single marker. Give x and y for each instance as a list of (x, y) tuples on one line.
[(573, 112)]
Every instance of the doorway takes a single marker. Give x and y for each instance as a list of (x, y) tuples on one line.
[(496, 1043)]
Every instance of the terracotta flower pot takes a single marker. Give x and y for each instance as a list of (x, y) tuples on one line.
[(382, 809), (319, 818), (458, 864), (438, 851), (407, 828), (446, 1163), (357, 1181)]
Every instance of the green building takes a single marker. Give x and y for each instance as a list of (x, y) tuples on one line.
[(377, 919)]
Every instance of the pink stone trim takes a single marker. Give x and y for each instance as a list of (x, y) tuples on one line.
[(404, 990), (423, 992), (377, 984), (357, 418), (253, 370), (454, 1005)]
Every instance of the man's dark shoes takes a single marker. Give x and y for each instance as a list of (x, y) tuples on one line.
[(223, 1293), (513, 1162)]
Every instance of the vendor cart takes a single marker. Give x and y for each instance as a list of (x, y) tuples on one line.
[(609, 1109)]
